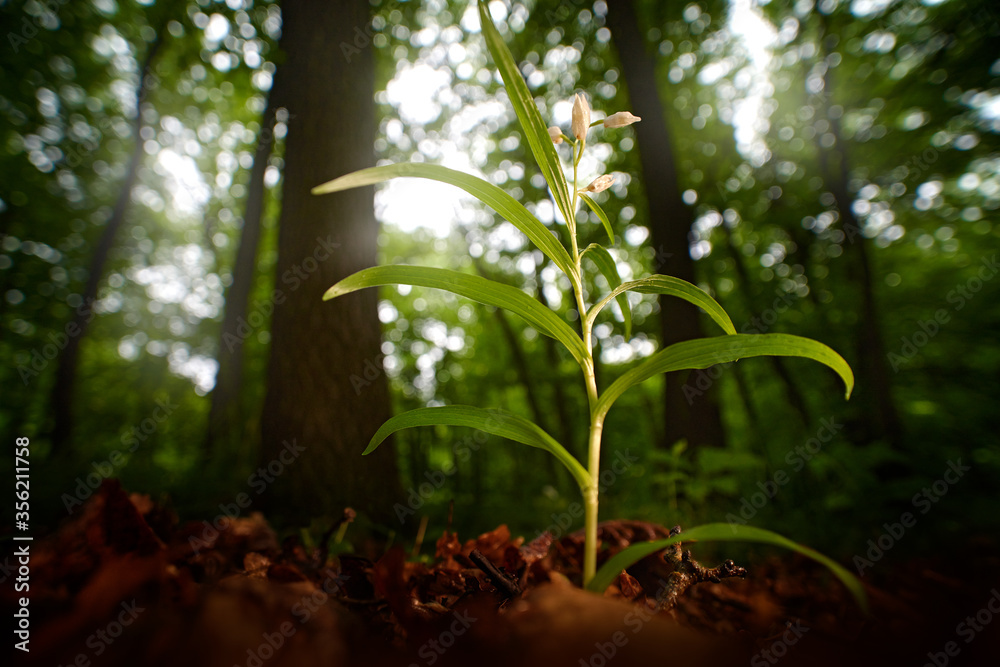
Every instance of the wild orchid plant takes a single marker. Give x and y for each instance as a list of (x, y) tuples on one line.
[(692, 354)]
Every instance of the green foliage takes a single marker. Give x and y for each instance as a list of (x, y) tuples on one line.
[(695, 354), (527, 113), (674, 287), (479, 289), (486, 192)]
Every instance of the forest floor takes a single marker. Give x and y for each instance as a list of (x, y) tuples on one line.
[(123, 584)]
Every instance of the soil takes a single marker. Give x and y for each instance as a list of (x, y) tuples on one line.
[(123, 584)]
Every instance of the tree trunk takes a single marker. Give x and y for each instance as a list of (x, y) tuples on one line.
[(326, 390), (64, 388), (874, 387), (670, 221), (225, 418), (566, 430), (792, 394)]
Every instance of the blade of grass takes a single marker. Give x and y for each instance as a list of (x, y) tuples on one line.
[(495, 422), (476, 288), (705, 352), (486, 192), (682, 289), (722, 532), (535, 130)]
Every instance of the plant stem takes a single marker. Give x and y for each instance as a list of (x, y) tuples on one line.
[(590, 500), (590, 492), (593, 453)]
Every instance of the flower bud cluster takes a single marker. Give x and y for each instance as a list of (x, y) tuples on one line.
[(579, 126)]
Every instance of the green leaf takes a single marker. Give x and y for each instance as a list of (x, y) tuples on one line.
[(657, 284), (600, 214), (476, 288), (535, 130), (486, 192), (606, 265), (705, 352), (495, 422), (722, 532)]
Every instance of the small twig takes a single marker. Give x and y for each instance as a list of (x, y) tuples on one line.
[(688, 572), (503, 582), (362, 602)]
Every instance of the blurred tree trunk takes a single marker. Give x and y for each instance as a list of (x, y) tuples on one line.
[(64, 388), (565, 432), (874, 386), (670, 221), (326, 390), (793, 396), (225, 417)]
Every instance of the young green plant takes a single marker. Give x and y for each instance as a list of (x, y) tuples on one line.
[(692, 354)]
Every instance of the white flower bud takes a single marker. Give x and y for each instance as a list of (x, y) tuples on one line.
[(621, 119), (600, 184), (556, 135), (581, 117)]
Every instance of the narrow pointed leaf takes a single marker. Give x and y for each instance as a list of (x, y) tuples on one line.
[(705, 352), (476, 288), (721, 532), (606, 265), (535, 130), (494, 422), (486, 192), (682, 289), (600, 214)]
